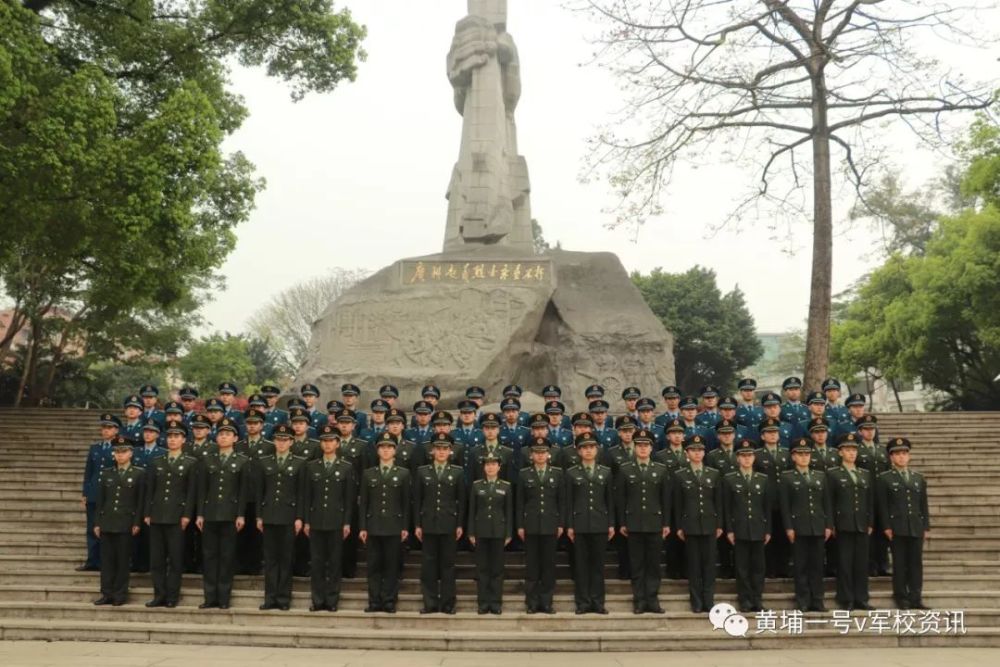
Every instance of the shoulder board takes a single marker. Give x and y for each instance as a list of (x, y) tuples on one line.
[(732, 473), (139, 469), (504, 482)]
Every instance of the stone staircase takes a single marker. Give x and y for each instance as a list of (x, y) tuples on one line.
[(42, 597)]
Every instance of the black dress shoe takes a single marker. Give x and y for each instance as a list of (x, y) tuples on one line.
[(266, 606), (170, 605), (600, 610), (283, 607), (86, 567), (482, 611), (389, 609), (448, 610), (531, 610), (118, 603), (863, 606), (207, 605), (156, 603), (548, 610), (103, 600), (317, 607), (919, 605), (428, 610), (223, 606), (638, 609), (697, 610), (655, 609)]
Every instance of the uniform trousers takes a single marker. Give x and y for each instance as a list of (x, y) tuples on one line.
[(437, 571), (644, 557), (699, 553), (219, 544), (279, 542), (116, 552), (749, 559), (588, 553), (166, 560), (385, 553), (807, 558), (907, 569), (326, 548), (489, 572), (539, 570), (852, 568)]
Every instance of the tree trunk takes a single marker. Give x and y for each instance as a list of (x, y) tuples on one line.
[(820, 291), (895, 392), (30, 363), (17, 318)]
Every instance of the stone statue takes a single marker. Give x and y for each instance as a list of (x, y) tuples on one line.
[(488, 194)]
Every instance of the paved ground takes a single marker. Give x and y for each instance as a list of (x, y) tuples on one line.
[(98, 654)]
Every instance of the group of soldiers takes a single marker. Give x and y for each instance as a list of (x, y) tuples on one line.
[(712, 485)]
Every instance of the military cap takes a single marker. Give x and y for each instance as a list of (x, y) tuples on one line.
[(818, 424), (855, 399), (801, 445), (674, 425), (282, 431), (467, 406), (298, 415), (430, 390), (121, 443), (334, 406), (269, 390), (442, 417), (770, 424), (349, 389), (256, 400), (385, 439), (581, 419), (746, 383), (671, 391), (866, 421), (254, 415), (694, 441), (594, 391), (200, 421), (554, 408), (600, 405), (626, 421), (149, 390), (188, 392), (442, 440), (539, 419), (898, 444), (709, 390), (791, 383), (540, 445), (491, 457), (388, 391), (228, 388), (689, 402), (395, 415), (108, 419), (551, 390), (423, 408), (295, 402), (475, 392), (309, 390), (725, 426), (347, 415), (513, 390), (132, 401), (631, 393), (177, 427), (491, 419), (830, 383), (643, 435), (510, 403), (227, 424), (329, 432), (151, 425), (847, 440), (173, 408), (815, 397), (214, 404), (379, 405), (728, 403), (645, 404), (584, 440), (745, 446), (770, 398)]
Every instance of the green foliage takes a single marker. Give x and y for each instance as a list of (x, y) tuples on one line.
[(714, 334), (982, 151), (217, 359)]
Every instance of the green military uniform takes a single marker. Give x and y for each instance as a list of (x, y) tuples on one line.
[(747, 499), (540, 514), (491, 516), (675, 459), (698, 510), (171, 494), (614, 458), (805, 509), (723, 459), (773, 462), (479, 453), (590, 514), (226, 482), (901, 501), (852, 501), (120, 498), (193, 550), (644, 504), (439, 505), (353, 450), (874, 458), (249, 541)]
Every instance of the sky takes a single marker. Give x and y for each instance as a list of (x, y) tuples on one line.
[(356, 178)]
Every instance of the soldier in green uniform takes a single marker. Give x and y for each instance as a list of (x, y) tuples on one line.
[(773, 460), (439, 507), (383, 520), (723, 459), (698, 510), (491, 515), (171, 496), (539, 429), (614, 458), (491, 446), (805, 512), (329, 497), (304, 446), (874, 458), (824, 458), (225, 483), (644, 505), (255, 446), (901, 499), (120, 499), (590, 524), (353, 450), (279, 503), (406, 450), (540, 519), (747, 499), (673, 457), (852, 501)]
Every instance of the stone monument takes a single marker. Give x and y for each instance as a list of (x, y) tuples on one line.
[(487, 310)]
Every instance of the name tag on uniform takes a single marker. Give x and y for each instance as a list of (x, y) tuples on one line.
[(502, 492)]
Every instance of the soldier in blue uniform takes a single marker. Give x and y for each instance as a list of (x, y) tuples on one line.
[(771, 405), (439, 504), (747, 498), (227, 396), (150, 409), (748, 413), (515, 391), (560, 429), (604, 429), (376, 422), (552, 393), (420, 432), (349, 394), (689, 418), (467, 433), (671, 405), (709, 414), (189, 401), (852, 502), (120, 498), (855, 406), (389, 393), (512, 433), (310, 394), (698, 522), (834, 410), (273, 415), (727, 413), (816, 404), (478, 396), (131, 428), (100, 455), (173, 412), (590, 524), (792, 410), (645, 407), (772, 459), (540, 517), (630, 396), (142, 456)]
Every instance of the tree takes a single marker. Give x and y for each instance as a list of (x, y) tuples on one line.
[(117, 198), (216, 359), (538, 237), (714, 334), (286, 321), (777, 87)]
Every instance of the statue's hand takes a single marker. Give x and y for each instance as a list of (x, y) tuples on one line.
[(474, 43)]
